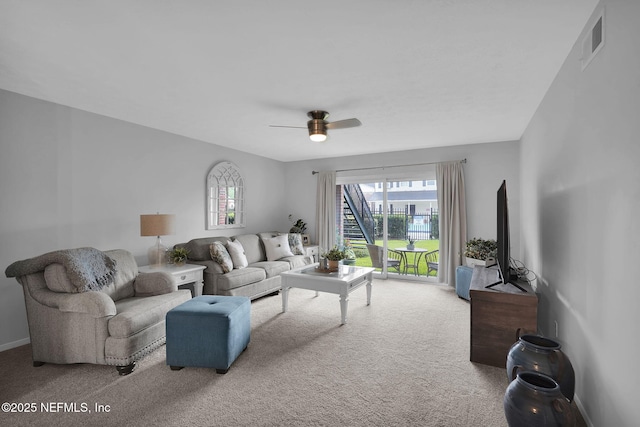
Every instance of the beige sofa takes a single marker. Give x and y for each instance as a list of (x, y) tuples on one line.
[(117, 324), (260, 277)]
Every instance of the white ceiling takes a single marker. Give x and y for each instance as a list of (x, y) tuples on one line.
[(416, 73)]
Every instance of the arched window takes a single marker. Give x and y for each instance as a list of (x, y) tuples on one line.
[(225, 197)]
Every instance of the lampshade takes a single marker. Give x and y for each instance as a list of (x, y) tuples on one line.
[(157, 225), (317, 130)]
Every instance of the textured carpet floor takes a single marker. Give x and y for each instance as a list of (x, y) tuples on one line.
[(402, 361)]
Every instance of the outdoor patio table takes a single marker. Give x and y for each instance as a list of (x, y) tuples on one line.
[(416, 258)]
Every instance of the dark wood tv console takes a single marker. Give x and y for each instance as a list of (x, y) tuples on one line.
[(499, 315)]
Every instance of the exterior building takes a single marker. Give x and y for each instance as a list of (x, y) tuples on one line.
[(410, 197)]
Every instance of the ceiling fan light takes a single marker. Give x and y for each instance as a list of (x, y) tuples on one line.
[(318, 137), (317, 130)]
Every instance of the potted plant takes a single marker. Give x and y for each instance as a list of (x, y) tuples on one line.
[(480, 252), (179, 256), (411, 244), (298, 227), (349, 254), (334, 256)]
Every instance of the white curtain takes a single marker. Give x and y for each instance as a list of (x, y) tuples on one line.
[(452, 219), (326, 210)]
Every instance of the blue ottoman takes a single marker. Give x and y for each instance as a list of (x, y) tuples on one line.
[(463, 281), (208, 331)]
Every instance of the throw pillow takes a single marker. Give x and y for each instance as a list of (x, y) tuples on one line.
[(237, 254), (220, 255), (277, 247), (55, 276), (295, 243)]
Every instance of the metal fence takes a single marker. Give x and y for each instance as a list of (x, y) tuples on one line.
[(403, 226)]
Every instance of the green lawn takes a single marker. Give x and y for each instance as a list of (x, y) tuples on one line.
[(424, 244)]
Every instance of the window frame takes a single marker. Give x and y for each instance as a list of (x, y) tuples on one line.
[(225, 178)]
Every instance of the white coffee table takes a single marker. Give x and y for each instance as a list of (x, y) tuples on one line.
[(343, 282)]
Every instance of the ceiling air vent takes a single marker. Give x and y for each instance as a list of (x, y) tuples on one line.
[(593, 40)]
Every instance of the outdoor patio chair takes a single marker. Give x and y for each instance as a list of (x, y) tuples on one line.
[(432, 261), (377, 253)]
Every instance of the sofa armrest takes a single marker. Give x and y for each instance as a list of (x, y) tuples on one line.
[(154, 283), (95, 304), (213, 267), (210, 275)]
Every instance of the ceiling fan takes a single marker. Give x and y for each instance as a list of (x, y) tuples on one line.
[(318, 125)]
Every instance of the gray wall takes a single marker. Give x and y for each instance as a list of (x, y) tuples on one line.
[(580, 200), (69, 178)]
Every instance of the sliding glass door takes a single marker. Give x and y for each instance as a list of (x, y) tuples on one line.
[(390, 223)]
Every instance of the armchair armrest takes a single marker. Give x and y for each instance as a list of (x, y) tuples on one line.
[(154, 283), (95, 304)]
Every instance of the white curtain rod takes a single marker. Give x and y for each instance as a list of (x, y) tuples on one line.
[(383, 167)]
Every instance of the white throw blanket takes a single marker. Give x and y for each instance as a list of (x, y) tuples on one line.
[(88, 269)]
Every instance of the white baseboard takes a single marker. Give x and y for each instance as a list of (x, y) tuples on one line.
[(14, 344)]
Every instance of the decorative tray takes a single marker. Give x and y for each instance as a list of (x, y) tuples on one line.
[(325, 270)]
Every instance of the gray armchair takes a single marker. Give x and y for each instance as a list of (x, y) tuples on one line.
[(116, 325), (377, 253), (432, 260)]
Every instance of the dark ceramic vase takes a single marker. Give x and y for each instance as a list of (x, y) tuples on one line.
[(543, 355), (535, 400)]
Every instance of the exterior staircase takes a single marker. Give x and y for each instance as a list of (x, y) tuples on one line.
[(358, 222)]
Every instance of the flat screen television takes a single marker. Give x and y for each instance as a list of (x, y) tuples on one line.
[(504, 249)]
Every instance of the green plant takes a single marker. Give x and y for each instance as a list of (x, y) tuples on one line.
[(179, 255), (348, 250), (435, 227), (335, 254), (298, 227), (411, 241), (481, 249)]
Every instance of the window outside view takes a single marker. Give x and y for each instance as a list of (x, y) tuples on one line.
[(412, 225)]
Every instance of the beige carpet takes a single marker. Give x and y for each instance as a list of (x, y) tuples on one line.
[(402, 361)]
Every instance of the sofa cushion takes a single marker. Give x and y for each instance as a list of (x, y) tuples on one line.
[(220, 255), (154, 283), (57, 279), (295, 243), (295, 240), (122, 286), (252, 247), (277, 247), (240, 277), (126, 273), (297, 261), (138, 313), (272, 268), (55, 276), (236, 251), (199, 248), (268, 234)]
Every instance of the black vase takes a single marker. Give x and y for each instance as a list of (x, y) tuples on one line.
[(543, 355), (535, 400)]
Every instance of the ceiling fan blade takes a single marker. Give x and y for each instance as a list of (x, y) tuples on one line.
[(342, 124), (283, 126)]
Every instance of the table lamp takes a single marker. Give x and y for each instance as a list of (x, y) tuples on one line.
[(157, 225)]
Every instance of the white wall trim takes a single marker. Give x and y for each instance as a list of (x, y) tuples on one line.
[(14, 344)]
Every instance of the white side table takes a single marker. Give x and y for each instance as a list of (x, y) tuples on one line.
[(184, 275), (312, 251)]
